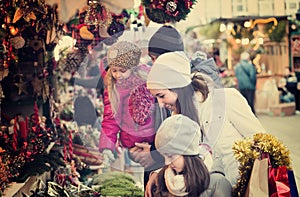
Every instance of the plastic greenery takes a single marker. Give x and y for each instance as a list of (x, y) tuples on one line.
[(247, 150), (164, 11)]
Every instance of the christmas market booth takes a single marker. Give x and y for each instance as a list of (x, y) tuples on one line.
[(46, 149)]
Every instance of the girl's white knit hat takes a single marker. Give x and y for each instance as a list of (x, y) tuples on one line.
[(170, 70), (178, 135)]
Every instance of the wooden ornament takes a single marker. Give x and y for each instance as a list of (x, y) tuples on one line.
[(22, 87)]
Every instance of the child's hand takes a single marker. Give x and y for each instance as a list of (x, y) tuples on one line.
[(108, 157)]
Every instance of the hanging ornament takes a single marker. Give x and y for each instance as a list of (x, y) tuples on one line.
[(164, 11), (103, 32), (115, 27), (171, 6), (85, 33), (73, 60), (22, 86), (13, 30), (17, 42), (97, 14)]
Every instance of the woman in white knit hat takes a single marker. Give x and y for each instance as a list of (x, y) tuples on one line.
[(185, 173), (223, 114)]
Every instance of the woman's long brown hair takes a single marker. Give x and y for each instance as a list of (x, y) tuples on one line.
[(185, 103)]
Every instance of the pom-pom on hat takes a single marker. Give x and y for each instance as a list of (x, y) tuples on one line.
[(170, 70), (124, 54), (178, 135), (166, 39)]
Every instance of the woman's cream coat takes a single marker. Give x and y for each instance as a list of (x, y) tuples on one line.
[(225, 117)]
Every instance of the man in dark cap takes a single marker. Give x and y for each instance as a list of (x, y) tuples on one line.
[(166, 39)]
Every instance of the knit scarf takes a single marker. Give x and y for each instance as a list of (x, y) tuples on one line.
[(130, 82), (175, 183)]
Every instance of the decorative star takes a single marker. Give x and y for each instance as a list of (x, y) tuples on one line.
[(37, 85), (22, 85)]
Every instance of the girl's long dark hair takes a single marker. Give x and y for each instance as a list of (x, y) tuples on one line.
[(196, 177)]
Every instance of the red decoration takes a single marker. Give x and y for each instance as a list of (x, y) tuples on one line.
[(15, 134), (65, 152), (162, 11), (23, 129), (36, 117), (26, 121), (70, 145), (188, 4), (141, 11)]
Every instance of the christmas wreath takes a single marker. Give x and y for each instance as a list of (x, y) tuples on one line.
[(247, 150), (163, 11)]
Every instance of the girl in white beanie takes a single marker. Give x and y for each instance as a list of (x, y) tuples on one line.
[(223, 114), (185, 173)]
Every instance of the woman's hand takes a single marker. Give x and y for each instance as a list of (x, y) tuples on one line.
[(151, 183), (141, 154), (133, 153)]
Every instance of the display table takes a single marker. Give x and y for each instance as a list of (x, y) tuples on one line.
[(18, 189)]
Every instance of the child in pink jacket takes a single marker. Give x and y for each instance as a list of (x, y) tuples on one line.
[(128, 105)]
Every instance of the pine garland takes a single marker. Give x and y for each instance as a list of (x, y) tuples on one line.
[(247, 150), (164, 11), (116, 184)]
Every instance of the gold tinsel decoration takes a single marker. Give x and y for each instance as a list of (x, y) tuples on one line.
[(247, 150)]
